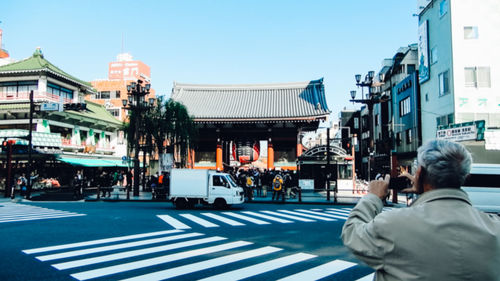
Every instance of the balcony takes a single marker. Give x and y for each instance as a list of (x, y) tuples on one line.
[(38, 96)]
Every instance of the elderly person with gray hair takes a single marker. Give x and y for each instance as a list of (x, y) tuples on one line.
[(439, 237)]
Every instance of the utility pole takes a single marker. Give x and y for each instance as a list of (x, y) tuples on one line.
[(30, 140), (328, 164)]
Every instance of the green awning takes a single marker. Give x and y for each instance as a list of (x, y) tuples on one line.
[(86, 162)]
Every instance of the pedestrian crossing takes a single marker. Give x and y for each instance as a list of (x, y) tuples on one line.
[(191, 255), (14, 212), (263, 217)]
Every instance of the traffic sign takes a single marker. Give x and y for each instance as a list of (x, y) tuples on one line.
[(49, 106)]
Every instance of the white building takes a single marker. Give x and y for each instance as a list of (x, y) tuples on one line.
[(459, 67)]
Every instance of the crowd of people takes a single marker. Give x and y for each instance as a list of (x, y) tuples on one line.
[(256, 182)]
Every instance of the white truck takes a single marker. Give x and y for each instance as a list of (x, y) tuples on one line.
[(189, 187)]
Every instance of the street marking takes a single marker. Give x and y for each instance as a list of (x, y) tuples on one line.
[(321, 271), (287, 216), (13, 212), (173, 222), (339, 215), (261, 268), (267, 217), (306, 215), (190, 268), (256, 221), (135, 253), (53, 216), (198, 220), (114, 247), (85, 275), (369, 277), (223, 219), (326, 214), (343, 210), (100, 241)]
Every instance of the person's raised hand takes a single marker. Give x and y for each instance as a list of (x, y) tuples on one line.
[(380, 187)]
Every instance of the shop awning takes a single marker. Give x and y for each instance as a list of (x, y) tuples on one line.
[(88, 162)]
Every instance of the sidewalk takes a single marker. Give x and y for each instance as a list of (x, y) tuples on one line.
[(308, 197)]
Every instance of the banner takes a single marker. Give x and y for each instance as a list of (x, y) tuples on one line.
[(166, 163), (423, 53)]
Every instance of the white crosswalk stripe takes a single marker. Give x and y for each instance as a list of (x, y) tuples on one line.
[(223, 219), (287, 216), (155, 263), (135, 253), (326, 214), (99, 241), (173, 272), (85, 275), (185, 221), (307, 215), (369, 277), (114, 247), (173, 222), (198, 220), (267, 217), (321, 271), (340, 215), (13, 212), (246, 218), (260, 268)]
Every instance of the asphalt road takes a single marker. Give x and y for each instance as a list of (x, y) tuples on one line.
[(153, 241)]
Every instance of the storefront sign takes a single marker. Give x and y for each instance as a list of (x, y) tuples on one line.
[(492, 140), (306, 184), (458, 134)]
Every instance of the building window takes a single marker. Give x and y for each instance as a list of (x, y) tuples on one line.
[(478, 77), (104, 95), (376, 120), (470, 32), (443, 8), (114, 111), (426, 97), (434, 55), (408, 136), (404, 106), (11, 89), (445, 120), (59, 91), (410, 68), (444, 83), (356, 123)]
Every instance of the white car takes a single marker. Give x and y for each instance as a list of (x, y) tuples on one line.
[(483, 187)]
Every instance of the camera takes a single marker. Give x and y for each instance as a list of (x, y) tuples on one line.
[(399, 183)]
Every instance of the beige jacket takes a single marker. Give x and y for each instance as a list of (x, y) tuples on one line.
[(440, 237)]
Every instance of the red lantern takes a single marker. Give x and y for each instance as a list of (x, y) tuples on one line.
[(246, 151)]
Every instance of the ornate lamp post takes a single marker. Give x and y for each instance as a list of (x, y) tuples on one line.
[(370, 99), (136, 92)]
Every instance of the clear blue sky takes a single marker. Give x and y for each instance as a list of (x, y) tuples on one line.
[(216, 42)]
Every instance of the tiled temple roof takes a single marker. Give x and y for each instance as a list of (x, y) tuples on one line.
[(256, 102)]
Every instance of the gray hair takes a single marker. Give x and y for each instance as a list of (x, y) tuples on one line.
[(446, 163)]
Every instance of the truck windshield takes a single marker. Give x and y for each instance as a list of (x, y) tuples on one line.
[(232, 181)]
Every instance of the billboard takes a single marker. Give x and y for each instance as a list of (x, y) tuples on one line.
[(128, 70), (423, 52)]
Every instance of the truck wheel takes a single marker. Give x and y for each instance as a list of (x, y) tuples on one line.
[(220, 204), (191, 204), (181, 203)]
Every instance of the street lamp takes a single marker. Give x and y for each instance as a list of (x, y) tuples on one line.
[(371, 98), (136, 92)]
